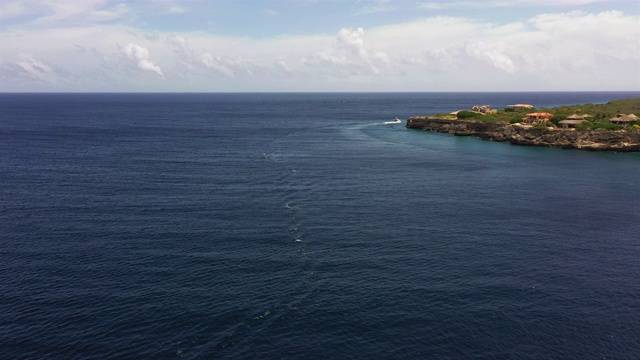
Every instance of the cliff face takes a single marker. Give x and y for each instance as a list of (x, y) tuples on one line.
[(597, 140)]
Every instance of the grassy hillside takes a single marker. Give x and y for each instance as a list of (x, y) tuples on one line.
[(601, 113), (598, 111)]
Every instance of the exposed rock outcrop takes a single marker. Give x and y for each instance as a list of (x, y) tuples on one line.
[(596, 140)]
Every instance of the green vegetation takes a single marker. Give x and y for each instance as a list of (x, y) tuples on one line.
[(443, 116), (601, 113), (542, 127), (502, 115), (594, 125), (464, 115)]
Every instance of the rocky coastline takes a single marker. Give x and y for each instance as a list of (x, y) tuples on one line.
[(518, 134)]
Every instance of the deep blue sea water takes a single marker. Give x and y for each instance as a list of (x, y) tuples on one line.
[(302, 226)]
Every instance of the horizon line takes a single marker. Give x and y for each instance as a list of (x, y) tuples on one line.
[(316, 92)]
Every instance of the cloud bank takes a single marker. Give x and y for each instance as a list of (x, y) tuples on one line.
[(573, 50)]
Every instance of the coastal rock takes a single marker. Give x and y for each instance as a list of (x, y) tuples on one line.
[(593, 140), (570, 135)]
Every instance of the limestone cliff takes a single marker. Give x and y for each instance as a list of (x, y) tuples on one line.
[(596, 140)]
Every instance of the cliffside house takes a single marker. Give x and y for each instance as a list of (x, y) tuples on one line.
[(574, 120), (520, 107), (537, 117), (624, 120), (484, 109)]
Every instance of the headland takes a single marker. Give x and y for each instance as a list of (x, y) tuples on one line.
[(601, 127)]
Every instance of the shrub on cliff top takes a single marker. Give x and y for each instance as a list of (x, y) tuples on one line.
[(464, 114), (606, 125), (541, 127)]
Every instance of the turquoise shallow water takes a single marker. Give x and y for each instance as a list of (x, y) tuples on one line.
[(303, 226)]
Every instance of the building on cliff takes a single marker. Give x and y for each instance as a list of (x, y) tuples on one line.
[(537, 117), (573, 120), (484, 109), (624, 120), (570, 123), (520, 107)]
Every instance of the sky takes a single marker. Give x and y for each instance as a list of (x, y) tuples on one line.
[(319, 45)]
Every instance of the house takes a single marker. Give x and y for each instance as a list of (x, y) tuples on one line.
[(624, 120), (567, 123), (520, 107), (573, 120), (537, 117), (484, 109), (577, 117)]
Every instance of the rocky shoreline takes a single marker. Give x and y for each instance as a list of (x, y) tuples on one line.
[(594, 140)]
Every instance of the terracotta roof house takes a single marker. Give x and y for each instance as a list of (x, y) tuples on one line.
[(537, 117), (519, 107)]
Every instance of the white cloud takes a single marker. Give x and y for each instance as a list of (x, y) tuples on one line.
[(27, 66), (282, 65), (13, 9), (562, 44), (177, 40), (141, 56), (63, 12), (348, 56), (220, 65), (553, 51), (441, 5), (352, 41), (492, 55)]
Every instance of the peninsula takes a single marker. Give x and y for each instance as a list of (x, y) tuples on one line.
[(598, 127)]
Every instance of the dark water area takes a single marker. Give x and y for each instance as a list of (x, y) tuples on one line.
[(307, 226)]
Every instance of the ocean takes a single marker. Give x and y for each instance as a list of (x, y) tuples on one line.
[(307, 226)]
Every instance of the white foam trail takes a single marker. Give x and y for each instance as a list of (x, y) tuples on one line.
[(396, 121)]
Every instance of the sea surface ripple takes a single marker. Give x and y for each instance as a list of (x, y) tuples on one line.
[(307, 226)]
